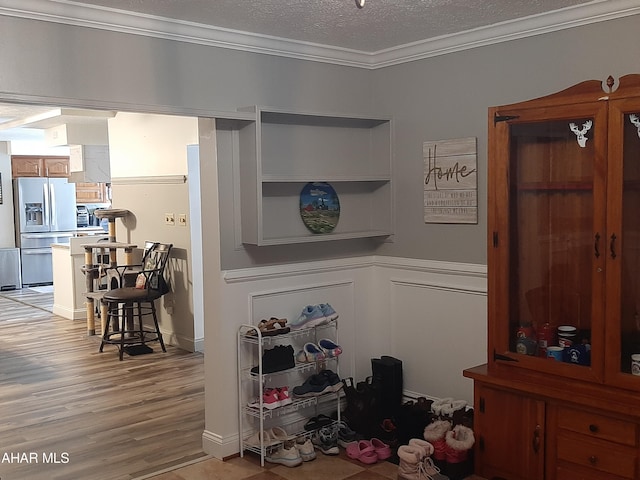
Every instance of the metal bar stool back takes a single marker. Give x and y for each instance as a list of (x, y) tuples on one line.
[(128, 305)]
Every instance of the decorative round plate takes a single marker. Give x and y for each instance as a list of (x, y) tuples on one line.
[(319, 207)]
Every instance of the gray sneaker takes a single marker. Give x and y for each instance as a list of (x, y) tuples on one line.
[(326, 440), (289, 457)]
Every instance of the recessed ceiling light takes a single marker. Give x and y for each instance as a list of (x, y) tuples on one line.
[(360, 3)]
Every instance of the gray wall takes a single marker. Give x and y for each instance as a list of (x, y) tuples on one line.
[(87, 67), (448, 96), (439, 98)]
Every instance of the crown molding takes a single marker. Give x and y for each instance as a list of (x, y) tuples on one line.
[(78, 14)]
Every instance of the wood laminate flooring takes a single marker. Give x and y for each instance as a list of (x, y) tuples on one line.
[(69, 412)]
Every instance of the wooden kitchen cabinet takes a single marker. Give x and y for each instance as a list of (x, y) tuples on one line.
[(37, 166), (564, 250), (91, 193)]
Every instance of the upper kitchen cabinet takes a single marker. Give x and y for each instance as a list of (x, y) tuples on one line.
[(39, 166), (283, 151)]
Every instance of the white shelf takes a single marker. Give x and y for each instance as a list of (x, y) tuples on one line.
[(284, 150)]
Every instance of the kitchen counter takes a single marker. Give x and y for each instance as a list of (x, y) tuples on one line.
[(69, 284)]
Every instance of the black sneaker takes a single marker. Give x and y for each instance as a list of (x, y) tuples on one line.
[(333, 379), (276, 359), (313, 386)]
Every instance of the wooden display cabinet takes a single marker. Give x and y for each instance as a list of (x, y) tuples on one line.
[(564, 250)]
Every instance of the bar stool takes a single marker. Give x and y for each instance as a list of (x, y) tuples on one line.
[(136, 302)]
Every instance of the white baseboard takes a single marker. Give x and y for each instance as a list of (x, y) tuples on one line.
[(218, 446), (71, 314)]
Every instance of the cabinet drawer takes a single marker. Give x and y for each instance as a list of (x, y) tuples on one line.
[(598, 426), (576, 473), (597, 454)]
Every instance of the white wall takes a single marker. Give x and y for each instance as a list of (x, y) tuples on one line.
[(142, 145), (148, 155), (7, 229)]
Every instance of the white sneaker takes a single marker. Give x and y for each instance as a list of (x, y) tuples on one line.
[(289, 457), (305, 449)]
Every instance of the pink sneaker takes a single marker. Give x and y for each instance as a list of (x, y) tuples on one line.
[(270, 399), (283, 396)]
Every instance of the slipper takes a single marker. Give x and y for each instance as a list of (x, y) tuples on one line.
[(383, 451), (254, 440), (315, 423), (363, 451), (310, 353), (329, 347), (279, 434)]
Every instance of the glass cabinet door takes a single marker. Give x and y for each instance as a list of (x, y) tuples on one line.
[(555, 228), (623, 268)]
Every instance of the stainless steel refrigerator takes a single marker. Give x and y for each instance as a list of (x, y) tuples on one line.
[(45, 213)]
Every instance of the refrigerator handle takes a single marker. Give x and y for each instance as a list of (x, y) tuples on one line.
[(52, 210), (47, 207)]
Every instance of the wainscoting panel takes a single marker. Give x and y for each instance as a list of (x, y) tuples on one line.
[(431, 315), (438, 318)]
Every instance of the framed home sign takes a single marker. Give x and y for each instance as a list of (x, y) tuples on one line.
[(450, 181)]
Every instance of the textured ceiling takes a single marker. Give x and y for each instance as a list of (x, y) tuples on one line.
[(380, 25)]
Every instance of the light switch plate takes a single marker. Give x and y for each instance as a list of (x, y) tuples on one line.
[(169, 219), (182, 219)]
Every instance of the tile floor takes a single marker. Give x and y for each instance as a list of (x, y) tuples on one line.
[(338, 467)]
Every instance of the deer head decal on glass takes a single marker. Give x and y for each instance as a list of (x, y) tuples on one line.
[(581, 132), (634, 118)]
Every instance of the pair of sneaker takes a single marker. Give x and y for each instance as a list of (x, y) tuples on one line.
[(273, 398), (292, 454), (318, 384), (314, 315), (326, 440)]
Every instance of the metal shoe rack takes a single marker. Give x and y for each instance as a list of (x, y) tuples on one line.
[(253, 419)]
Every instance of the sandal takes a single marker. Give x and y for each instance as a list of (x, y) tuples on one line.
[(273, 326), (316, 423), (383, 451), (363, 451)]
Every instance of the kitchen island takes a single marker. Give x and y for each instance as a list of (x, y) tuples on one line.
[(69, 285)]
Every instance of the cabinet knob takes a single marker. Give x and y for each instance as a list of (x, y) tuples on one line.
[(593, 459), (593, 428)]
